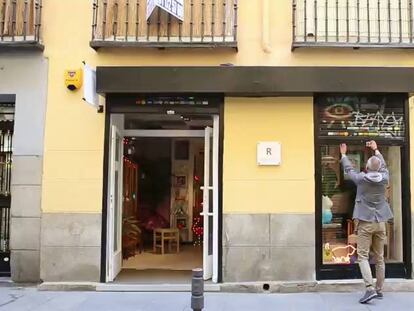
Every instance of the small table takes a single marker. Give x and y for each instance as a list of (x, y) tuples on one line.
[(163, 235)]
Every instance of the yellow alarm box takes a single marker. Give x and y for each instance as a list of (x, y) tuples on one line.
[(73, 79)]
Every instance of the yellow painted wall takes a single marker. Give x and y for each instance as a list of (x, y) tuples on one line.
[(74, 135), (249, 188)]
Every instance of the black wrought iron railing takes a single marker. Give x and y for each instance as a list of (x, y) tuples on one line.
[(4, 236), (4, 228), (6, 152), (354, 23), (204, 23), (20, 22)]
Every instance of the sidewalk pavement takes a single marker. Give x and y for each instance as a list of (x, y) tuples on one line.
[(21, 299)]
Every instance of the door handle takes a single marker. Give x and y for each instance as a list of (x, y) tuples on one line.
[(208, 188), (206, 214)]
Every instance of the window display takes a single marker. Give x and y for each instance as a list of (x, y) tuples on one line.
[(338, 197), (355, 119)]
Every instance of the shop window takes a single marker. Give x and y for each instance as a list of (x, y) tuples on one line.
[(338, 198), (355, 120)]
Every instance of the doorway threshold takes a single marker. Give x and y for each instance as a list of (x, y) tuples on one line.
[(123, 287), (154, 280), (153, 276)]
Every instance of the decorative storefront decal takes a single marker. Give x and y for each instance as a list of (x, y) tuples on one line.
[(173, 100), (173, 7), (340, 254), (361, 117)]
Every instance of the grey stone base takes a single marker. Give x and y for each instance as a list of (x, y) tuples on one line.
[(25, 233), (25, 254), (70, 247), (25, 266), (122, 287), (70, 263), (68, 286), (25, 218), (268, 247), (395, 285), (26, 201), (27, 170)]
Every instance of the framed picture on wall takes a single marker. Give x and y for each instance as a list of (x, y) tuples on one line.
[(180, 181)]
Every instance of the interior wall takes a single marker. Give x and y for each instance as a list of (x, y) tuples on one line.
[(153, 156), (184, 168)]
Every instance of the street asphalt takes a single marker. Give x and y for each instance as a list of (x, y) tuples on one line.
[(24, 298)]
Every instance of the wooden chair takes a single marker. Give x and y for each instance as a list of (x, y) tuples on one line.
[(171, 235)]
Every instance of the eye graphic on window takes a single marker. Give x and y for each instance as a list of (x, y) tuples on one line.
[(338, 111)]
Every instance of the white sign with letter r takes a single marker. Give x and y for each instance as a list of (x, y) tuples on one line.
[(269, 153)]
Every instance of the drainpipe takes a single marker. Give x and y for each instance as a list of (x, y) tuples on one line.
[(266, 27)]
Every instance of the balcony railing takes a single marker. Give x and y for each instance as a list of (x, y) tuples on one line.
[(353, 23), (20, 22), (123, 23)]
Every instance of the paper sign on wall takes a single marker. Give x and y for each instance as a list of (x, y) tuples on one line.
[(173, 7), (268, 153), (89, 86)]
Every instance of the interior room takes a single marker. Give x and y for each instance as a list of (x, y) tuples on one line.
[(162, 230)]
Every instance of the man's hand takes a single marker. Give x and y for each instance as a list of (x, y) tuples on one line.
[(372, 144), (343, 148)]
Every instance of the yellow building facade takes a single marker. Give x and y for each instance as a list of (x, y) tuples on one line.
[(271, 222)]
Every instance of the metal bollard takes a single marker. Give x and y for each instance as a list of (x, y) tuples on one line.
[(197, 290)]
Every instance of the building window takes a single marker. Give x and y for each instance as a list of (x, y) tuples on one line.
[(355, 23), (183, 23), (20, 21), (355, 120)]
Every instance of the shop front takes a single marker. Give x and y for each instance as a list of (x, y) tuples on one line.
[(290, 221), (355, 119), (162, 200)]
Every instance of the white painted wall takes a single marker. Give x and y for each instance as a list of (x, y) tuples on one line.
[(25, 75)]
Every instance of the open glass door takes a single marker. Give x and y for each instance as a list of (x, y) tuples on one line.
[(114, 225), (210, 202)]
